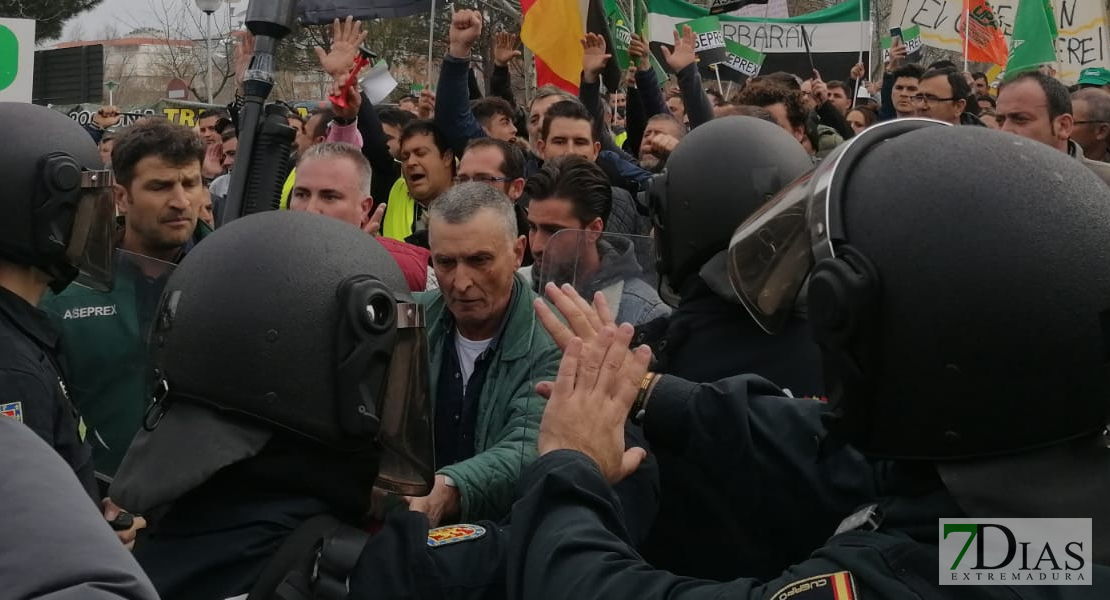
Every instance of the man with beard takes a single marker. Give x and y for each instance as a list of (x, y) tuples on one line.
[(662, 133)]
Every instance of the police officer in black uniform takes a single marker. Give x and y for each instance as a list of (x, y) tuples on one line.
[(721, 173), (293, 380), (965, 341), (290, 378), (57, 224)]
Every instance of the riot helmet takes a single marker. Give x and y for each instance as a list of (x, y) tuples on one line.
[(59, 213), (957, 286), (314, 337), (719, 174)]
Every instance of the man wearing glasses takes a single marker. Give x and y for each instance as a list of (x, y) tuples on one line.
[(499, 164), (942, 95), (1091, 107)]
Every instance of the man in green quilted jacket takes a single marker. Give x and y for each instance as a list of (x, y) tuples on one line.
[(487, 351)]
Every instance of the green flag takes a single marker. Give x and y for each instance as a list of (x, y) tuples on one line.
[(1032, 42), (1051, 18), (621, 30), (743, 59)]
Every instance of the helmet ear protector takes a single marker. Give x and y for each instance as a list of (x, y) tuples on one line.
[(72, 223), (365, 341), (843, 296), (56, 198)]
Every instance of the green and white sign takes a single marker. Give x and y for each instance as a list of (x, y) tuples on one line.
[(743, 59), (621, 30), (709, 41), (17, 59), (912, 42)]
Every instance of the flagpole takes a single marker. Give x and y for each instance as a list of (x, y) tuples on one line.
[(717, 71), (431, 38), (967, 31), (864, 39)]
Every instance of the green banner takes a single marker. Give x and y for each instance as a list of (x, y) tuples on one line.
[(709, 41), (743, 59), (621, 30)]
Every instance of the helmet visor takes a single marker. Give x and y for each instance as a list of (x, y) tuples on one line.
[(407, 462), (770, 256), (92, 237)]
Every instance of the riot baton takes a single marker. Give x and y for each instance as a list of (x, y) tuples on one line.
[(265, 137)]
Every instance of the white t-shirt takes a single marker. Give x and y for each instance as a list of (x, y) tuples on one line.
[(468, 351)]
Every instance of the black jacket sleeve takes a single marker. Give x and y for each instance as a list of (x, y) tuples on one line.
[(569, 541), (651, 95), (886, 97), (452, 115), (501, 84), (698, 109), (376, 150), (830, 115), (768, 452), (635, 121)]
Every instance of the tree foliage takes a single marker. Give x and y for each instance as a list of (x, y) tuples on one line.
[(51, 15)]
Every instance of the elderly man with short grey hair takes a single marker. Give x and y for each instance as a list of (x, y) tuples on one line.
[(487, 351)]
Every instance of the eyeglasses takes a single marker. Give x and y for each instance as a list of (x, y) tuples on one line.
[(479, 179), (1089, 122), (929, 99)]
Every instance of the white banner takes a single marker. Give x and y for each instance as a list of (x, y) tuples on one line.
[(17, 59), (776, 38), (1084, 35)]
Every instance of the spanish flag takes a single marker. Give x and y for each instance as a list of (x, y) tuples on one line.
[(553, 31)]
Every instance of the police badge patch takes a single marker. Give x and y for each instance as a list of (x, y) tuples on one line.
[(453, 534), (13, 410), (831, 586)]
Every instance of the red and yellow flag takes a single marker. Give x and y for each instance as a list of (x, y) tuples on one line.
[(982, 34), (553, 30)]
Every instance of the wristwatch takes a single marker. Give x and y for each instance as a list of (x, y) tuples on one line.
[(343, 121)]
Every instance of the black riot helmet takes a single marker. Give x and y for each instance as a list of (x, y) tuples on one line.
[(720, 173), (283, 323), (57, 202), (961, 298)]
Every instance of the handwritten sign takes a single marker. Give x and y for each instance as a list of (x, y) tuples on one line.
[(1084, 39)]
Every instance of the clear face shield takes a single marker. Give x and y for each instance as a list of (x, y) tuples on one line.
[(773, 252), (594, 261), (92, 235), (407, 462)]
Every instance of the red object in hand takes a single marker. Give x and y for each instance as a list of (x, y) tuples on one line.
[(340, 99)]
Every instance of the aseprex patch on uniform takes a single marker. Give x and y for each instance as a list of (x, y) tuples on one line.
[(13, 410), (830, 586), (453, 534)]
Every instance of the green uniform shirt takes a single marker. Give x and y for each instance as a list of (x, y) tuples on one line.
[(103, 343)]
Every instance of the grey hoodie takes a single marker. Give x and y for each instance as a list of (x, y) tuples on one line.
[(620, 273)]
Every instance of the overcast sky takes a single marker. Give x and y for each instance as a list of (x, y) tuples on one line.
[(126, 15)]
